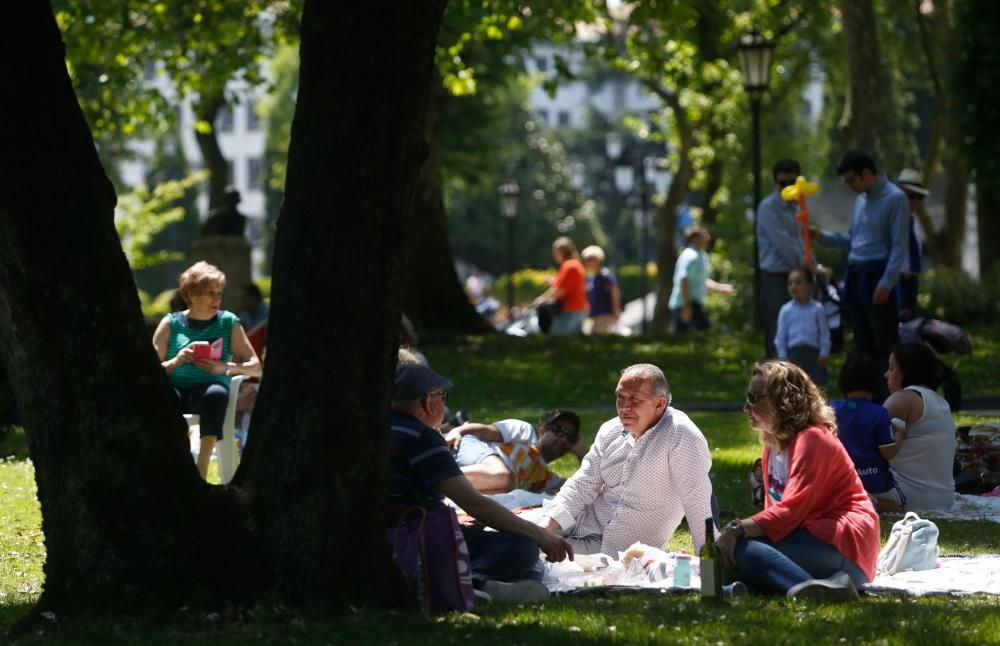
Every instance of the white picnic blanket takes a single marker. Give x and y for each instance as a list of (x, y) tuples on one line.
[(969, 508), (953, 574)]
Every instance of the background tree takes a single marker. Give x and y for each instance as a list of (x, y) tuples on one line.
[(128, 523), (684, 54), (977, 110)]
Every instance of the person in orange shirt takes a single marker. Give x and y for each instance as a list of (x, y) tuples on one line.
[(568, 290)]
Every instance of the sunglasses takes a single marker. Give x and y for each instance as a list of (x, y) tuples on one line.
[(561, 431), (915, 196), (752, 399), (784, 183)]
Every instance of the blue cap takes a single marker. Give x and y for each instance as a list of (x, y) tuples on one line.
[(413, 381)]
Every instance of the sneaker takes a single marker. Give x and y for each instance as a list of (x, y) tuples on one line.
[(836, 588), (526, 591), (735, 589)]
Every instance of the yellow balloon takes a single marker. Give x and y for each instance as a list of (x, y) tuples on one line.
[(802, 186)]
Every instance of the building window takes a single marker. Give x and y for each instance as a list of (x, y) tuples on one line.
[(563, 118), (150, 71), (541, 64), (253, 173), (543, 116), (230, 173), (253, 119), (226, 119)]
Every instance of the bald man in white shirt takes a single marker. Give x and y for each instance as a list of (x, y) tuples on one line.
[(646, 470)]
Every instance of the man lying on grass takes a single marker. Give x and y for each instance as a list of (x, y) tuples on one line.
[(647, 469), (509, 454)]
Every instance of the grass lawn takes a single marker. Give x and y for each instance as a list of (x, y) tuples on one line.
[(499, 377)]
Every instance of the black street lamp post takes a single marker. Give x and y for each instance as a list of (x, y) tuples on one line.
[(755, 53), (509, 193)]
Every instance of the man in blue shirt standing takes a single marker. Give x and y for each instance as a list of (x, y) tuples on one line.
[(879, 247), (779, 249)]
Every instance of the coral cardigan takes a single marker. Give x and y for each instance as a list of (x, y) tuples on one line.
[(824, 496)]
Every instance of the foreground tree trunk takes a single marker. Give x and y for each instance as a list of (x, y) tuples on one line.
[(318, 444), (127, 520), (129, 525)]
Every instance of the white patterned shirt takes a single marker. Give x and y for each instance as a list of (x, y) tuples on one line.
[(629, 490)]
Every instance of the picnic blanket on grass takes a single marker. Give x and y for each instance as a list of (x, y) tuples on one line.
[(953, 575)]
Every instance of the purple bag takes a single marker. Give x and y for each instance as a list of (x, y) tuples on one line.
[(429, 548)]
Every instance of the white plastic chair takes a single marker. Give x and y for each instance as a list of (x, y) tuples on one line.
[(225, 448)]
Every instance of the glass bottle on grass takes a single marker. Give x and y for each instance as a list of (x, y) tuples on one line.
[(711, 570)]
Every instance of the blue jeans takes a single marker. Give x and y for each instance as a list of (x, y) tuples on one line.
[(699, 318), (501, 556), (209, 401), (773, 568), (569, 323)]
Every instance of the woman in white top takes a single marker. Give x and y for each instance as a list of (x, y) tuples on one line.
[(923, 466)]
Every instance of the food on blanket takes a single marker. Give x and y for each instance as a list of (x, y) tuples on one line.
[(636, 551), (592, 562)]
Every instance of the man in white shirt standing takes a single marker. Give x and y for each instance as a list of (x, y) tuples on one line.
[(646, 470)]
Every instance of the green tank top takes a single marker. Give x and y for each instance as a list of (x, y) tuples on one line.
[(181, 335)]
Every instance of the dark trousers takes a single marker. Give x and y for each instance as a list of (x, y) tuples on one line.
[(876, 327), (699, 318), (906, 296), (209, 401), (773, 294), (501, 556)]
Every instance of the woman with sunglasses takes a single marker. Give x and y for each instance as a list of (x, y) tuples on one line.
[(818, 535)]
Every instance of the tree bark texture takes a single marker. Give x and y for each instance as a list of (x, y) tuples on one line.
[(208, 109), (945, 245), (315, 461), (861, 122), (433, 296), (127, 520)]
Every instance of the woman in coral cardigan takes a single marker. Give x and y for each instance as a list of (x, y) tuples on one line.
[(818, 535)]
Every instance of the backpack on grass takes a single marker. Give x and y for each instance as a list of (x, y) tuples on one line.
[(912, 546)]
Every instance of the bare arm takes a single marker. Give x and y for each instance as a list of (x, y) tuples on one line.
[(906, 405), (720, 288), (485, 432), (484, 509), (161, 339), (246, 362), (616, 301)]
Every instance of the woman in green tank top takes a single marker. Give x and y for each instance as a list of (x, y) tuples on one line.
[(201, 348)]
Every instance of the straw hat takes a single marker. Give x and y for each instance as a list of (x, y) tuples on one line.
[(910, 180)]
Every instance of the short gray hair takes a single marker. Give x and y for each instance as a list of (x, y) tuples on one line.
[(649, 372)]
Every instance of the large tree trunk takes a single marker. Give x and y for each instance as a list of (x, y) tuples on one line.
[(127, 520), (128, 523), (317, 451), (434, 298), (861, 121)]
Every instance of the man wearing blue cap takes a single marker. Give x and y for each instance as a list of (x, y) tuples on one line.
[(422, 471)]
